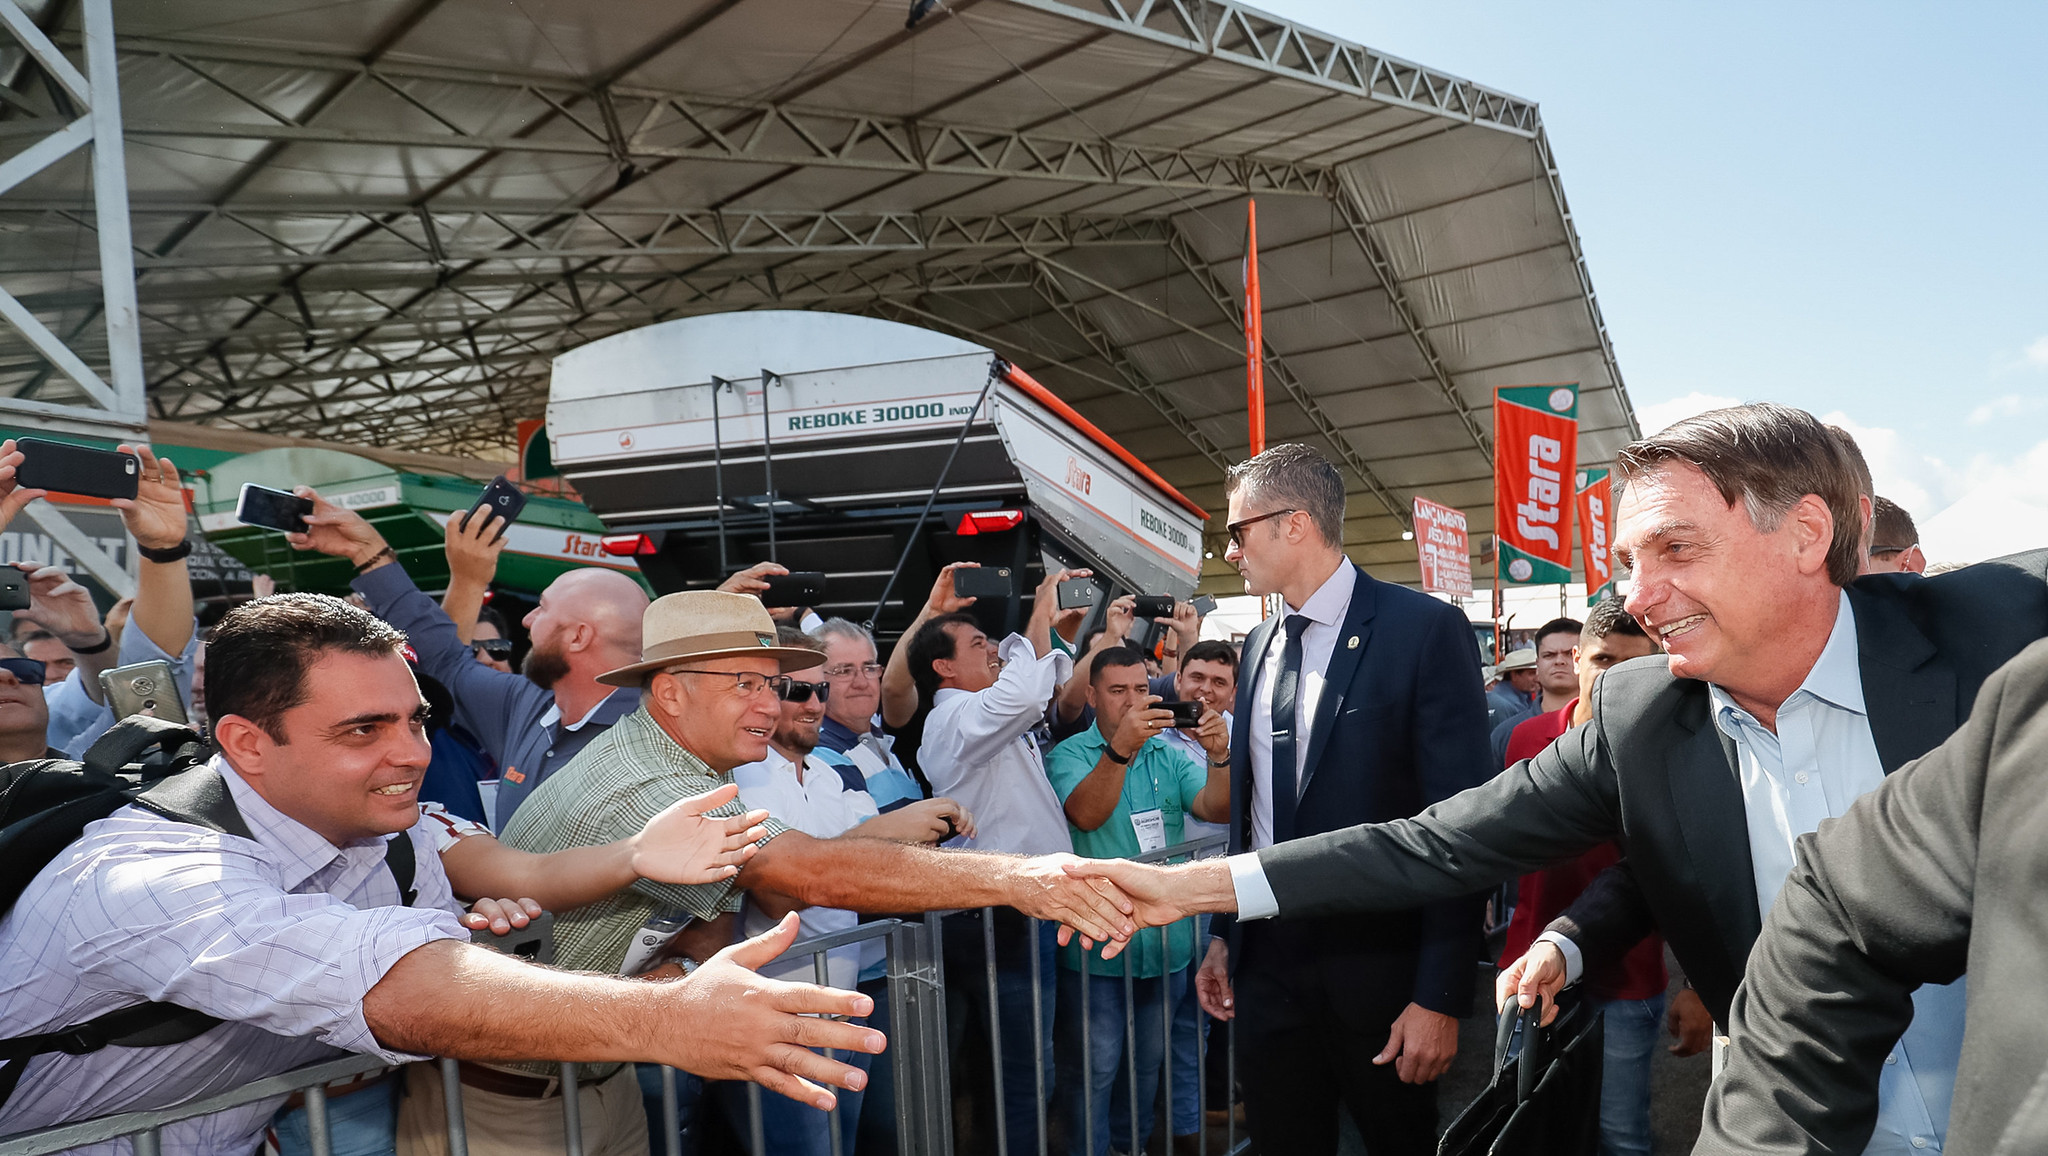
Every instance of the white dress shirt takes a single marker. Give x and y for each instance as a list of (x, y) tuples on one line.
[(1325, 610), (821, 805), (977, 751), (281, 937)]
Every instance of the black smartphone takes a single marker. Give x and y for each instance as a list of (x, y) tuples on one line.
[(69, 469), (983, 582), (534, 943), (1076, 593), (796, 588), (272, 509), (1153, 606), (1204, 604), (13, 589), (1186, 715), (501, 499)]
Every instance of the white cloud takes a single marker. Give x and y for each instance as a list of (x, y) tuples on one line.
[(2002, 509), (2037, 353), (2009, 405), (1660, 416), (1914, 480)]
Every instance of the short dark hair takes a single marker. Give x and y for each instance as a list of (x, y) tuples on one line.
[(931, 643), (489, 616), (1211, 650), (1571, 626), (1609, 617), (1768, 457), (1892, 528), (1292, 475), (257, 657), (1108, 656)]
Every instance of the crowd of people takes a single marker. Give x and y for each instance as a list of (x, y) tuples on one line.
[(687, 785)]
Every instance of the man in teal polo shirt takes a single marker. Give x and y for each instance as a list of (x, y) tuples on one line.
[(1126, 792)]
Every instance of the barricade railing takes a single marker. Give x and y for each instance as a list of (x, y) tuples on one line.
[(917, 1047), (1128, 1070)]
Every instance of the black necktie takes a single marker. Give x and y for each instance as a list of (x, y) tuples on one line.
[(1286, 784)]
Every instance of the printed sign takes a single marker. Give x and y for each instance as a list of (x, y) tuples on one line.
[(1535, 457), (1443, 547), (1596, 532)]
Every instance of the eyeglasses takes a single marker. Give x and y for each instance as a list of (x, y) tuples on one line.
[(1237, 528), (747, 682), (499, 648), (849, 669), (26, 671), (798, 691)]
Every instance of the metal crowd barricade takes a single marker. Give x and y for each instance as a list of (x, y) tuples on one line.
[(917, 1049), (1233, 1145)]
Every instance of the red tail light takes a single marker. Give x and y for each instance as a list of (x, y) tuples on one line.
[(627, 545), (989, 522)]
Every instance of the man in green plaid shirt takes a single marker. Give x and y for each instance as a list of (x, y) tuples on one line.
[(712, 676)]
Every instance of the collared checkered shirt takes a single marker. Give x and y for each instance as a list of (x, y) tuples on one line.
[(281, 937), (625, 777)]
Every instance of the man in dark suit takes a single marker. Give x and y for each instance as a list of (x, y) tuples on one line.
[(1938, 870), (1789, 689), (1360, 703)]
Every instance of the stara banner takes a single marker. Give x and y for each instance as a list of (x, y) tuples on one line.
[(1535, 462), (1596, 532)]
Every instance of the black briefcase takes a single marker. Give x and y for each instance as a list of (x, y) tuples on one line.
[(1543, 1102)]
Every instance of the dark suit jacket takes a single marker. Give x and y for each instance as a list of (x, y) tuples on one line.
[(1653, 772), (1400, 724), (1938, 871)]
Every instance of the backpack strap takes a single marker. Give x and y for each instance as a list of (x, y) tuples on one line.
[(125, 741), (398, 857), (197, 795)]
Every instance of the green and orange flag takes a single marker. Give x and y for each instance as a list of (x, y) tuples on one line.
[(1596, 532)]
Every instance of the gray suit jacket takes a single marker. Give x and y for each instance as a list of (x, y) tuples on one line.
[(1652, 772), (1939, 871)]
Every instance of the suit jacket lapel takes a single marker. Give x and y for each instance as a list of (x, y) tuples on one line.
[(1249, 662), (1352, 636), (1908, 692), (1707, 799)]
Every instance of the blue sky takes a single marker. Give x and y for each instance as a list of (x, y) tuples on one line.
[(1836, 206)]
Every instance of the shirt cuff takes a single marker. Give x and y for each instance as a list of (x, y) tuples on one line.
[(1574, 963), (1018, 649), (1254, 894)]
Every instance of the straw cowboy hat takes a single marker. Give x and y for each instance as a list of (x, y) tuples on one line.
[(697, 625), (1523, 659)]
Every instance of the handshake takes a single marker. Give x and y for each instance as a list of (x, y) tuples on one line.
[(1108, 900)]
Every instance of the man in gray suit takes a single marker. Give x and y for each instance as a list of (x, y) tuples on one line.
[(1936, 872), (1789, 689)]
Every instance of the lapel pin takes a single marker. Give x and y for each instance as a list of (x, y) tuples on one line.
[(1351, 643)]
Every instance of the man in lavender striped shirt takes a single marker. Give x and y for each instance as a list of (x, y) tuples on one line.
[(297, 940)]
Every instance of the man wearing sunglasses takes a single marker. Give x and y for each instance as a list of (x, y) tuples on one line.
[(805, 786)]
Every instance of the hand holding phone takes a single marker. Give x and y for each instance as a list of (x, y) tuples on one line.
[(796, 588), (983, 582), (1076, 593), (501, 498), (272, 509), (69, 469), (1186, 715), (1153, 606), (145, 688)]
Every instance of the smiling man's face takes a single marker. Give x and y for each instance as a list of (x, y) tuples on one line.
[(1707, 583)]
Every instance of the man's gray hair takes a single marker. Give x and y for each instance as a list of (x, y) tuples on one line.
[(842, 628), (1293, 476)]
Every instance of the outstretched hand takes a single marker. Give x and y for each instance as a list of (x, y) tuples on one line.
[(12, 495), (472, 545), (1158, 895), (333, 530), (732, 1024), (156, 514), (1049, 889), (683, 844)]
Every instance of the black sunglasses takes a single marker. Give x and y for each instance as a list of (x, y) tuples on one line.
[(495, 647), (798, 691), (26, 671)]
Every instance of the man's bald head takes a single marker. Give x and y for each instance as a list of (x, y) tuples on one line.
[(588, 622)]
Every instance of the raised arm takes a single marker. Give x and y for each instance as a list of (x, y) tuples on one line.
[(1878, 903), (899, 690), (156, 517), (472, 551), (1116, 626)]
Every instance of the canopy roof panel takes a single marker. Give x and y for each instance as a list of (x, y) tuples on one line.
[(378, 221)]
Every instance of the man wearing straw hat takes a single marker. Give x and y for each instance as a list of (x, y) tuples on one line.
[(711, 677)]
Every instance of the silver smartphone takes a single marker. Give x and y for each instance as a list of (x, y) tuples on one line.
[(144, 688)]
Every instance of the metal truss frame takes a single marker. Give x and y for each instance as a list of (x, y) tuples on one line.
[(1247, 37), (87, 108)]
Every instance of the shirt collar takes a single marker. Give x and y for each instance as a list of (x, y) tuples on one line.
[(300, 851), (837, 735), (1328, 604), (1836, 677), (622, 702)]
